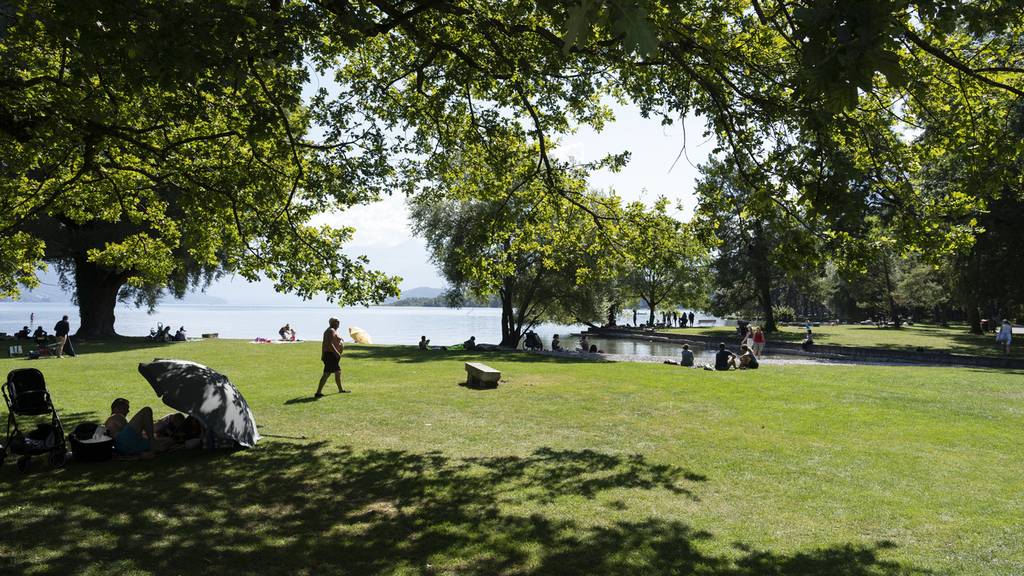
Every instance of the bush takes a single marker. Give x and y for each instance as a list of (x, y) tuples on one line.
[(784, 313)]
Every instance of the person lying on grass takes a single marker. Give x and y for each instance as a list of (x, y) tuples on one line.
[(136, 436)]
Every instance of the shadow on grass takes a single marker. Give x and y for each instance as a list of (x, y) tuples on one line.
[(301, 400), (67, 419), (411, 354), (118, 344), (287, 508)]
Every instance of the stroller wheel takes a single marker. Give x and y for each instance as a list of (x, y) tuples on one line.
[(58, 458), (23, 464)]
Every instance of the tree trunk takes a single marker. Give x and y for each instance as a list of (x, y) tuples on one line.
[(893, 315), (650, 319), (763, 280), (764, 298), (96, 291), (511, 331), (973, 317), (613, 313)]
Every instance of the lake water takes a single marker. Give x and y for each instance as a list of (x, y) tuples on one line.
[(386, 324)]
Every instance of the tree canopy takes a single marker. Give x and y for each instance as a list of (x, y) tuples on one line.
[(155, 145)]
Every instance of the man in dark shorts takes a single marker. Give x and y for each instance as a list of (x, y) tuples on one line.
[(330, 353)]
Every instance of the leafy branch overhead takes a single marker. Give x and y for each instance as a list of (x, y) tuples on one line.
[(150, 147)]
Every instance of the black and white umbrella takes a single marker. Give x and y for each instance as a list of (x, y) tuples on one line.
[(205, 394)]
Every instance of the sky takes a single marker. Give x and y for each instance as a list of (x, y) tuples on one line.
[(655, 169)]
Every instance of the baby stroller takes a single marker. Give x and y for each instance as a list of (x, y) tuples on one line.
[(26, 395)]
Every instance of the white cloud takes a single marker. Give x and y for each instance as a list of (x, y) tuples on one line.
[(384, 223)]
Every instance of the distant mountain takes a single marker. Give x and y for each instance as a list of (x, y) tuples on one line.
[(48, 291), (441, 301), (422, 292), (418, 293), (196, 299)]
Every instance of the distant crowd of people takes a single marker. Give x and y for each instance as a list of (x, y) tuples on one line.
[(669, 319)]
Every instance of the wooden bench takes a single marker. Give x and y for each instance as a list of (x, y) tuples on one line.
[(211, 335), (479, 375)]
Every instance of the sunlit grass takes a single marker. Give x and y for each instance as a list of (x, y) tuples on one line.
[(566, 468)]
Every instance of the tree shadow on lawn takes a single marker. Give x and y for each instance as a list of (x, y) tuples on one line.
[(289, 508), (411, 354), (117, 344)]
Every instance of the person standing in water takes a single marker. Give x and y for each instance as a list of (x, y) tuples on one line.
[(330, 353)]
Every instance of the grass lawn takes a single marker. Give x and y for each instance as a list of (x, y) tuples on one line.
[(569, 467), (956, 339)]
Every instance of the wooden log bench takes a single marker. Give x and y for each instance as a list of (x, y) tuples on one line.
[(480, 375)]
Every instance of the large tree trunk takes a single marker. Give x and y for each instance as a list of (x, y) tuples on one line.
[(764, 298), (96, 291), (763, 280), (511, 331)]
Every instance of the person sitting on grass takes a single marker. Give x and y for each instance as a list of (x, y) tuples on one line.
[(723, 358), (470, 344), (687, 359), (136, 436), (287, 333), (746, 360), (807, 344), (584, 343), (424, 343), (556, 344)]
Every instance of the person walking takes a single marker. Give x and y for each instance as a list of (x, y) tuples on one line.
[(61, 331), (330, 353), (1005, 336)]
